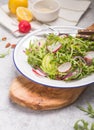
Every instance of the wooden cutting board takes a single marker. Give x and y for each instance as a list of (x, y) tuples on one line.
[(38, 97)]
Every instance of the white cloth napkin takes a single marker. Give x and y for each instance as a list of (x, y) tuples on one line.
[(70, 13)]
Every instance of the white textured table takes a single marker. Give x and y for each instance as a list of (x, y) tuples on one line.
[(14, 117)]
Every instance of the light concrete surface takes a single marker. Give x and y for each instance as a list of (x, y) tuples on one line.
[(14, 117)]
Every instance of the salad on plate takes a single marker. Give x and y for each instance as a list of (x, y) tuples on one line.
[(61, 57)]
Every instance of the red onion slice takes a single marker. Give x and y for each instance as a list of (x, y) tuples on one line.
[(38, 72), (72, 75)]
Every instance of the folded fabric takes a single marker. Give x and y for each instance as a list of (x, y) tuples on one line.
[(70, 13)]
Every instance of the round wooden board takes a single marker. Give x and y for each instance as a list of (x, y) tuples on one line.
[(38, 97)]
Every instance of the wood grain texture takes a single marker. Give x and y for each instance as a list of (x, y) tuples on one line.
[(38, 97)]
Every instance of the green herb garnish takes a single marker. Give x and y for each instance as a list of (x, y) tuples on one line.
[(4, 54), (83, 125), (89, 110)]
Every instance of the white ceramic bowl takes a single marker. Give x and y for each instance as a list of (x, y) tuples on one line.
[(46, 10)]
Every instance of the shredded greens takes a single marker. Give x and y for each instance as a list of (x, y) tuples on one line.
[(57, 50)]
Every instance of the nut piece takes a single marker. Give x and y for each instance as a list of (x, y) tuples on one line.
[(7, 45), (13, 45), (4, 38)]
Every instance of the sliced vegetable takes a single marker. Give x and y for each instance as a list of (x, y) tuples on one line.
[(80, 58), (49, 65), (64, 67), (24, 13), (38, 72), (89, 57), (66, 77), (73, 75), (54, 47)]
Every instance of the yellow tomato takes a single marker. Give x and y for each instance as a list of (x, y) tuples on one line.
[(14, 4)]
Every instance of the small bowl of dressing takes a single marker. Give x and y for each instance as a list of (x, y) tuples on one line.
[(45, 10)]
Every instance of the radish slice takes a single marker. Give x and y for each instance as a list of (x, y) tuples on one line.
[(64, 67), (54, 47), (38, 72), (89, 56)]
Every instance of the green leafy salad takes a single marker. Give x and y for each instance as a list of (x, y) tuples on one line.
[(61, 57)]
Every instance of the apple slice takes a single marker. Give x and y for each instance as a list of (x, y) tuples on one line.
[(64, 67), (38, 72), (54, 47), (89, 57)]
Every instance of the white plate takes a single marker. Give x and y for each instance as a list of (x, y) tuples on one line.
[(20, 60)]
